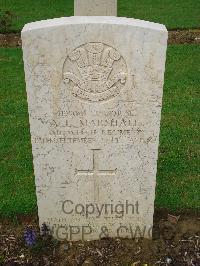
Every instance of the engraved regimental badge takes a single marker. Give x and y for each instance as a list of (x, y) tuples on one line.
[(95, 72)]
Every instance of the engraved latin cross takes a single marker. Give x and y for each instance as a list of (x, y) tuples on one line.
[(96, 173)]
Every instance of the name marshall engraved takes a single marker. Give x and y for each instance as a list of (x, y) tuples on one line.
[(100, 123)]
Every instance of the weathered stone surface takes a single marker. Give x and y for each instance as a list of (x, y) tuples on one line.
[(95, 7), (94, 87)]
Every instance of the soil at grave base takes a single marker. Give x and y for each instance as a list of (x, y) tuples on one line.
[(177, 243), (175, 37)]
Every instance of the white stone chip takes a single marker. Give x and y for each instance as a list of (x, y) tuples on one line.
[(95, 7)]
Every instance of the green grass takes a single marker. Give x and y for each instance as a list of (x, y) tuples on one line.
[(172, 13), (178, 179), (17, 192), (178, 184)]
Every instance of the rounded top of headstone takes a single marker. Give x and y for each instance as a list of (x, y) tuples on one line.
[(57, 22)]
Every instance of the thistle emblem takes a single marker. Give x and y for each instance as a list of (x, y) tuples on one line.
[(95, 72)]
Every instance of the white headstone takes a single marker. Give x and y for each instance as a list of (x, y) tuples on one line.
[(95, 7), (94, 87)]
